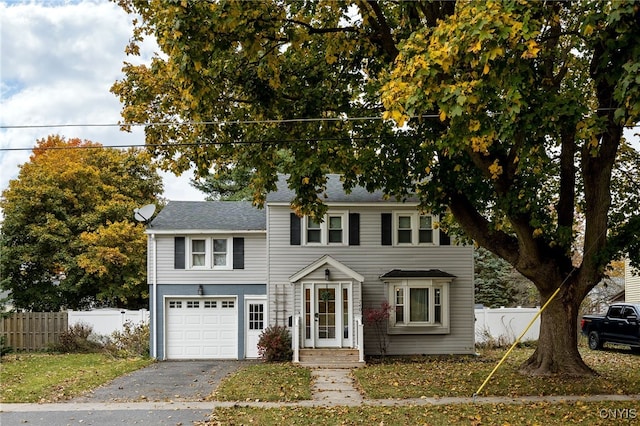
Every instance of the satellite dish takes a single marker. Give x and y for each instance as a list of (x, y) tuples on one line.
[(144, 213)]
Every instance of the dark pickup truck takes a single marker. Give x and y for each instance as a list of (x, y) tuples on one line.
[(620, 325)]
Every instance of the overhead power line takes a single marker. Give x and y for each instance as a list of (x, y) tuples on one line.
[(205, 123)]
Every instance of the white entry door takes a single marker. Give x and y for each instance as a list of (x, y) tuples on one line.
[(255, 323), (327, 311)]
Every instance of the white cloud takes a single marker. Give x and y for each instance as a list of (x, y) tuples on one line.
[(59, 60)]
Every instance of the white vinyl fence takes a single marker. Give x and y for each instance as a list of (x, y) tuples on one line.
[(106, 321), (505, 325)]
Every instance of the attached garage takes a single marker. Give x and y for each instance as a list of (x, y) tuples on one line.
[(201, 328)]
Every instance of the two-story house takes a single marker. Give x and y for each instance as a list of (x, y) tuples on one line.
[(219, 272)]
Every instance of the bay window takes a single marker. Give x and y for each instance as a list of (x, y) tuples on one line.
[(419, 306)]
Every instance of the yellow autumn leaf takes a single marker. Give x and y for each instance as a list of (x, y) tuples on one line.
[(476, 47), (443, 115), (305, 181), (532, 50), (485, 70), (495, 169)]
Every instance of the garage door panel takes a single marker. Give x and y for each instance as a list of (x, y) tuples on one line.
[(200, 329)]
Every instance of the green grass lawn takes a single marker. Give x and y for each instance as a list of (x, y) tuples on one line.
[(50, 378), (601, 413), (266, 382), (440, 376)]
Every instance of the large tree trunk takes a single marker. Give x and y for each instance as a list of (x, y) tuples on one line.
[(557, 350)]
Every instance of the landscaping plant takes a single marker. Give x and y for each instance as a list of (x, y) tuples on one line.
[(275, 344)]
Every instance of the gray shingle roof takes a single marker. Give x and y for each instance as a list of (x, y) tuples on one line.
[(213, 215), (429, 273), (334, 192)]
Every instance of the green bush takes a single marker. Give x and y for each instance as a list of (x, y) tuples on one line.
[(76, 340), (132, 341), (275, 344), (4, 348)]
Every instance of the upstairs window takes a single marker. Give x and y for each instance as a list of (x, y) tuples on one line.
[(314, 231), (413, 229), (220, 252), (335, 229), (332, 230), (198, 253)]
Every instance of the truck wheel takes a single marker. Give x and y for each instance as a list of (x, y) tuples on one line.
[(594, 341)]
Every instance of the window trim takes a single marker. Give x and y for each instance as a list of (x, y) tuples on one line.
[(209, 262), (324, 229), (422, 327), (415, 229)]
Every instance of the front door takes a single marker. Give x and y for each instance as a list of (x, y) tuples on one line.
[(326, 319), (327, 315)]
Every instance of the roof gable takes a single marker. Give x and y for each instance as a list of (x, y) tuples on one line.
[(322, 263)]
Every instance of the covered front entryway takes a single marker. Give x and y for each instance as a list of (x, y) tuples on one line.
[(327, 315), (328, 307)]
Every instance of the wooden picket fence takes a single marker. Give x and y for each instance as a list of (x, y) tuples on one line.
[(33, 331)]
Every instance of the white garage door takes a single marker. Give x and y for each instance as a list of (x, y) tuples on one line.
[(202, 328)]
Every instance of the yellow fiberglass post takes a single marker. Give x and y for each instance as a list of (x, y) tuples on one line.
[(516, 342)]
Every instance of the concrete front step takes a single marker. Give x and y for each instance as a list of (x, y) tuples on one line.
[(330, 358)]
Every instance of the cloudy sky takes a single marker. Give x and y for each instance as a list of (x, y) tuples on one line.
[(58, 60)]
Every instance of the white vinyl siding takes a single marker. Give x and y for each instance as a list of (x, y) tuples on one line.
[(631, 283), (372, 260), (255, 259)]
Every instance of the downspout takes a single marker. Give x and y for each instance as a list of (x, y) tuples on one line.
[(154, 297)]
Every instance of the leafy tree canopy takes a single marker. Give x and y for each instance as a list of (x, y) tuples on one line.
[(507, 114), (69, 238)]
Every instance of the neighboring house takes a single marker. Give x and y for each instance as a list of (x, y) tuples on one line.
[(219, 272), (631, 283)]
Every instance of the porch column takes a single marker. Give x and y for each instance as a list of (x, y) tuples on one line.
[(360, 327), (296, 339)]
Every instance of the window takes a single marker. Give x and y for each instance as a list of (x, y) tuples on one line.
[(332, 230), (191, 304), (314, 231), (210, 253), (210, 304), (335, 229), (419, 306), (220, 252), (227, 304), (413, 229), (256, 316), (404, 230), (198, 253), (425, 230), (175, 304)]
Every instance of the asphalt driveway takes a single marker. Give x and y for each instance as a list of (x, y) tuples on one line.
[(165, 381)]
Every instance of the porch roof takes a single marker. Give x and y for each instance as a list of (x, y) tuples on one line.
[(419, 273), (323, 262)]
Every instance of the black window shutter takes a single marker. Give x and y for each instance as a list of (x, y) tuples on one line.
[(294, 236), (445, 239), (354, 229), (238, 253), (386, 229), (179, 253)]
